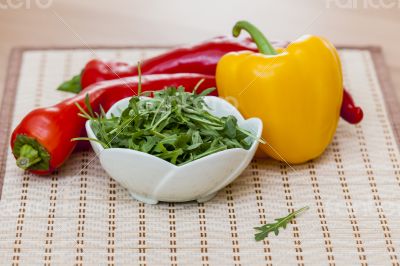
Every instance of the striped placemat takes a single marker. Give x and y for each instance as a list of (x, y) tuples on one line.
[(81, 216)]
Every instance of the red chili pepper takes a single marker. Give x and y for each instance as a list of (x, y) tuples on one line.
[(42, 141), (349, 111), (201, 58)]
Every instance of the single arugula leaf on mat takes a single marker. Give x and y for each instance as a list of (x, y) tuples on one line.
[(279, 223)]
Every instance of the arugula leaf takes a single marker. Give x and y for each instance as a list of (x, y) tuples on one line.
[(279, 223), (230, 127)]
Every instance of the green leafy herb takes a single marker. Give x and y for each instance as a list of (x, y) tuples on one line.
[(279, 223), (173, 125)]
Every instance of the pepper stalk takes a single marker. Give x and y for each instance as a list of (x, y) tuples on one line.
[(263, 45), (30, 154)]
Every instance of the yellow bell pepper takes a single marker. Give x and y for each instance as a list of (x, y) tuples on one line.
[(296, 92)]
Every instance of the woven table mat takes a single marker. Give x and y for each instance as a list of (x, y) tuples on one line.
[(82, 216)]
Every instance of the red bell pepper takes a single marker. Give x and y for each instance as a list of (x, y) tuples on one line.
[(42, 141)]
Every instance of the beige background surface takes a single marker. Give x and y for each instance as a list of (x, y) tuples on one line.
[(130, 22)]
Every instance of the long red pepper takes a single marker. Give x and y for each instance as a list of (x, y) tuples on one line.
[(349, 111), (201, 58), (97, 70), (42, 141)]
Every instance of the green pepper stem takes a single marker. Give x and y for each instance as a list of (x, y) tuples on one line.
[(263, 45), (73, 85), (28, 157)]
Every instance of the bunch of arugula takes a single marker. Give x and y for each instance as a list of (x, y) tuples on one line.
[(173, 125)]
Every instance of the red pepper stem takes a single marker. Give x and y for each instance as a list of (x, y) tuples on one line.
[(28, 157), (73, 85), (30, 154), (263, 45)]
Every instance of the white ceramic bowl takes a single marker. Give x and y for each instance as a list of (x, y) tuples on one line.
[(150, 179)]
